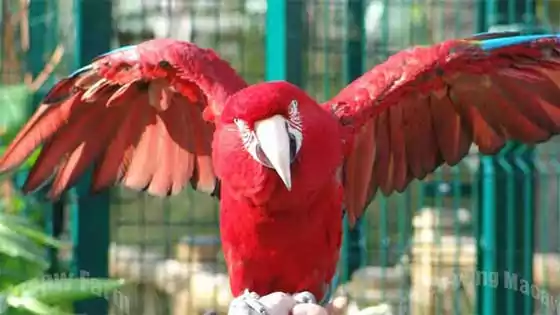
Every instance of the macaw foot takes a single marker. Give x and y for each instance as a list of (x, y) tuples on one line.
[(305, 297), (246, 304)]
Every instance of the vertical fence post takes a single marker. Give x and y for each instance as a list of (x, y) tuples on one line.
[(353, 242), (43, 37), (90, 213), (285, 36), (506, 236)]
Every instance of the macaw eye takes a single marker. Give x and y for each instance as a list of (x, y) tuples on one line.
[(293, 147)]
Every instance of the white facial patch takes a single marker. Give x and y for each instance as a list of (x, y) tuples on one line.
[(293, 126)]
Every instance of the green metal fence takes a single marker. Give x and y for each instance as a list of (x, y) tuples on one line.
[(450, 244)]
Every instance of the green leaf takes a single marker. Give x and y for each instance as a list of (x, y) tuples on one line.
[(37, 236), (3, 303), (11, 219), (33, 305), (25, 227), (31, 159), (26, 230), (60, 290), (14, 102), (18, 246), (14, 271)]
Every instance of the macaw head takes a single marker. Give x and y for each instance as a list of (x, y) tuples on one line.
[(268, 122), (275, 140)]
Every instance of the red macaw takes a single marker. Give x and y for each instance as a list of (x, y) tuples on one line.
[(157, 115)]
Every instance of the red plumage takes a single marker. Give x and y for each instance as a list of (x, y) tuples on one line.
[(425, 106), (137, 114), (160, 114), (267, 230)]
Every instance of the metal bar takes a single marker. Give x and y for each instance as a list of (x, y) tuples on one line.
[(487, 265), (506, 237), (285, 41), (90, 213), (40, 35), (353, 244)]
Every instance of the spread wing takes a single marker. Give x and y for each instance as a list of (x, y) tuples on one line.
[(425, 106), (137, 114)]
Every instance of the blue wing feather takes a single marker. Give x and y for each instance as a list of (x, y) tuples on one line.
[(80, 71), (116, 50), (496, 43)]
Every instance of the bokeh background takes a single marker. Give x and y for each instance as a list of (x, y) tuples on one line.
[(441, 247)]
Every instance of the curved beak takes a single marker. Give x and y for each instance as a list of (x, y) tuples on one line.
[(275, 144)]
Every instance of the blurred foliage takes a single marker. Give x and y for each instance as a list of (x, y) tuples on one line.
[(24, 287), (14, 104), (15, 101)]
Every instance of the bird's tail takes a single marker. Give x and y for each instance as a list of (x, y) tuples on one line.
[(331, 287)]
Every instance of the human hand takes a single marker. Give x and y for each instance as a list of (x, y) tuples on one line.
[(279, 303)]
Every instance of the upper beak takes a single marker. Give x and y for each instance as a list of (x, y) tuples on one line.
[(275, 144)]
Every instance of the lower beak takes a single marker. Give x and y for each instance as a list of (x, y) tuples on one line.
[(275, 144)]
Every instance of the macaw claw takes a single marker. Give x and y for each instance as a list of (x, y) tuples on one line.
[(247, 304), (305, 297)]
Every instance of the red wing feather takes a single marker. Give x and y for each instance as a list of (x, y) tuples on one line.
[(64, 141), (111, 168), (83, 155), (134, 113), (426, 106)]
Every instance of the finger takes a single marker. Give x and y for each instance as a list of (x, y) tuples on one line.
[(309, 309), (338, 306), (278, 303)]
